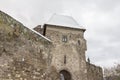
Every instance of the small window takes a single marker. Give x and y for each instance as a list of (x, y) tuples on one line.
[(64, 59), (64, 38), (78, 42), (70, 36)]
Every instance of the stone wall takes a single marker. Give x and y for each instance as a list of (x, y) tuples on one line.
[(94, 72), (39, 29), (8, 20), (27, 55), (68, 55), (24, 55)]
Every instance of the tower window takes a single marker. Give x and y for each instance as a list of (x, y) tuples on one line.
[(64, 59), (78, 42), (64, 38)]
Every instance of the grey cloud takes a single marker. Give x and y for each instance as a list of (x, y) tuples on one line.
[(34, 12), (104, 45), (100, 18)]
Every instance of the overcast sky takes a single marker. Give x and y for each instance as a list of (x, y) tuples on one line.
[(101, 18)]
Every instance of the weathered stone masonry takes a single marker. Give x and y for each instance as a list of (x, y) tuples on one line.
[(24, 54), (27, 55), (74, 52), (94, 72)]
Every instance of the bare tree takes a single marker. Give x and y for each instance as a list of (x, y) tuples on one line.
[(112, 73)]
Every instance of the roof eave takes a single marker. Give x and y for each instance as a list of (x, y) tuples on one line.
[(64, 26)]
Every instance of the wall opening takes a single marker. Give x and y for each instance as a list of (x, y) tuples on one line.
[(44, 30), (78, 42), (64, 59), (64, 38), (65, 75)]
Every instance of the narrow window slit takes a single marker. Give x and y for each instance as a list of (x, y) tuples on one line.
[(64, 59)]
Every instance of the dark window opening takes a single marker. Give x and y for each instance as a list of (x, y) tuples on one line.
[(78, 42), (64, 38), (70, 36), (64, 59), (44, 30)]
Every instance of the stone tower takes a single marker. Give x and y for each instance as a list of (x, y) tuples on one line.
[(69, 46)]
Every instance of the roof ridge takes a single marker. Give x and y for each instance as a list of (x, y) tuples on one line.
[(63, 20)]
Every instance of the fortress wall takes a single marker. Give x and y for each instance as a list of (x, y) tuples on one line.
[(24, 55), (94, 72)]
